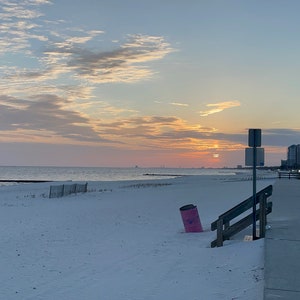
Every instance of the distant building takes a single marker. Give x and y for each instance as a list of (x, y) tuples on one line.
[(298, 156), (293, 158), (284, 164)]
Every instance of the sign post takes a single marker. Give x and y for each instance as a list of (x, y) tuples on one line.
[(254, 141)]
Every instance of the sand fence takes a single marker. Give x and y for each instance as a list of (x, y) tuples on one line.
[(57, 191)]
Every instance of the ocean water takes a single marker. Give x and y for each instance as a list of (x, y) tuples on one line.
[(103, 174)]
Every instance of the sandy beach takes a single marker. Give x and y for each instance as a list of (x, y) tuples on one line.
[(126, 240)]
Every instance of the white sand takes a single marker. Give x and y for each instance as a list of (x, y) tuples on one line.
[(125, 240)]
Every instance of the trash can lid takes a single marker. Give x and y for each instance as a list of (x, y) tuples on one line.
[(187, 207)]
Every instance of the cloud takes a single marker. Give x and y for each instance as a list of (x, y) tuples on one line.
[(67, 56), (219, 107), (65, 72), (45, 116), (280, 137), (145, 127), (179, 104), (172, 133), (48, 118), (18, 25), (53, 100), (119, 65)]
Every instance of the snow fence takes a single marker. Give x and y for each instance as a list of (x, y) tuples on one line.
[(57, 191)]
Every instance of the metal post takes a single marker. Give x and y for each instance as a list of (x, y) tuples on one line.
[(254, 141), (254, 195)]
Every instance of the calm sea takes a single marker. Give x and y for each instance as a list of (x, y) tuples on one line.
[(101, 174)]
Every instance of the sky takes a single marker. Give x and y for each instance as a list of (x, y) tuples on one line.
[(160, 83)]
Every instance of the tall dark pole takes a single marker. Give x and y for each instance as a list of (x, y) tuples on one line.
[(254, 194), (254, 141)]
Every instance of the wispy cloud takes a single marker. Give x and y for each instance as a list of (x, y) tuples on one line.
[(66, 50), (18, 25), (179, 104), (120, 65), (218, 107)]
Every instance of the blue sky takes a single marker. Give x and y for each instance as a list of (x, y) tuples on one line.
[(149, 83)]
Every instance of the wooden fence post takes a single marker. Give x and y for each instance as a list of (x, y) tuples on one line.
[(220, 233), (263, 215)]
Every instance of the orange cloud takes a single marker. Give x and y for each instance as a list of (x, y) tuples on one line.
[(218, 107), (156, 132)]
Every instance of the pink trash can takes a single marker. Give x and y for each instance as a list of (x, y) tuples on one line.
[(190, 218)]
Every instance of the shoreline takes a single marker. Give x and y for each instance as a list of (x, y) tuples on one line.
[(110, 174)]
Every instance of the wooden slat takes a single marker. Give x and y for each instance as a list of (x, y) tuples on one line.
[(242, 207), (238, 226), (244, 223)]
